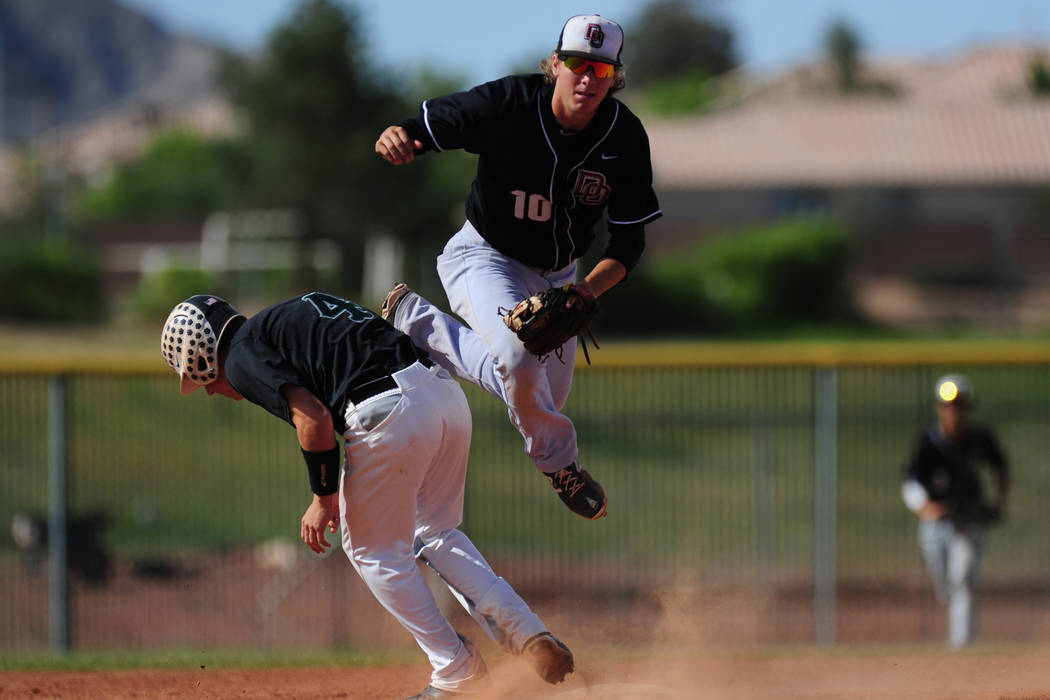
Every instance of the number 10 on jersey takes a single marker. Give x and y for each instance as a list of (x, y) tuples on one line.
[(539, 208)]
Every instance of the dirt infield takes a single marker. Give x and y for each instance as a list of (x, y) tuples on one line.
[(968, 676)]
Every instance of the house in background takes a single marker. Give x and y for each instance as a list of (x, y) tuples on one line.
[(943, 178)]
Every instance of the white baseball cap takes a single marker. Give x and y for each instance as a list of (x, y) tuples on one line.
[(591, 36)]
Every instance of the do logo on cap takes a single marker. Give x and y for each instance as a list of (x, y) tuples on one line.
[(595, 35)]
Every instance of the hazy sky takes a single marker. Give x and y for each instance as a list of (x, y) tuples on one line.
[(482, 39)]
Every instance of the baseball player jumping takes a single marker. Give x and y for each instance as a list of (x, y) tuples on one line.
[(556, 153), (326, 365), (942, 485)]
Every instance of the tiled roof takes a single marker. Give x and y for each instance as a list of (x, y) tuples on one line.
[(963, 122)]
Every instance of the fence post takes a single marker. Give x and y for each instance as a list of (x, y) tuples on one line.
[(58, 515), (825, 499), (762, 495)]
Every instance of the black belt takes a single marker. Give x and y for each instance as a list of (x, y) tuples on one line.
[(378, 386)]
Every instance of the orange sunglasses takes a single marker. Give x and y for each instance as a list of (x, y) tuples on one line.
[(580, 65)]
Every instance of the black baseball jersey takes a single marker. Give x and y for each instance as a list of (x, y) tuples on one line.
[(321, 342), (949, 470), (540, 190)]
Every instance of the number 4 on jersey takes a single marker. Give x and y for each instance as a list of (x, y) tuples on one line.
[(333, 307)]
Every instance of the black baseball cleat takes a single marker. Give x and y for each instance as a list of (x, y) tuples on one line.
[(393, 298), (579, 491), (551, 659)]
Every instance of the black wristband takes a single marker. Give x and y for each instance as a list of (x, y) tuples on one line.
[(323, 468)]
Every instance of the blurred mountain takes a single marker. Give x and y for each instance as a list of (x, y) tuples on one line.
[(64, 61)]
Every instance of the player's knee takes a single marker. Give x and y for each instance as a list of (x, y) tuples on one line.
[(959, 584), (517, 363), (388, 559), (428, 538)]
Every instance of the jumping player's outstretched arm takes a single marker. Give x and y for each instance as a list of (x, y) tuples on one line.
[(458, 120)]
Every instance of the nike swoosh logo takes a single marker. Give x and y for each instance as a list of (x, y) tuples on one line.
[(607, 157)]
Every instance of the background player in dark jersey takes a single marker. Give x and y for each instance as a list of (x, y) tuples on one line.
[(556, 154), (326, 365), (942, 485)]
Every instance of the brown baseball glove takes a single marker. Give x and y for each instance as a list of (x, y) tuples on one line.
[(546, 321)]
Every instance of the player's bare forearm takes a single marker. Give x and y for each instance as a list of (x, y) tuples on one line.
[(311, 418), (313, 426), (607, 273)]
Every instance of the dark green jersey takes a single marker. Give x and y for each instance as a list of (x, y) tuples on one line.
[(328, 345)]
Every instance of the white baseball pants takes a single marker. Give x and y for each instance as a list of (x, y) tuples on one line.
[(479, 282), (401, 497), (953, 559)]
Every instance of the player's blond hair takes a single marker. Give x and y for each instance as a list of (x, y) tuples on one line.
[(619, 80)]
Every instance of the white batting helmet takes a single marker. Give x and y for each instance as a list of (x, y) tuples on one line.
[(190, 339)]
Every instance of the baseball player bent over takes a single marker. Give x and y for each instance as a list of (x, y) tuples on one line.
[(942, 485), (556, 153), (326, 365)]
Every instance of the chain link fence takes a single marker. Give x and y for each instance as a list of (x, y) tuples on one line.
[(750, 503)]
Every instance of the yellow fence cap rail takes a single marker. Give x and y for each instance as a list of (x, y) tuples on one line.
[(62, 361), (78, 359), (816, 353)]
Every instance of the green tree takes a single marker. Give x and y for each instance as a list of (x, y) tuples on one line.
[(786, 274), (675, 38), (47, 274), (313, 109), (842, 50), (1038, 76), (842, 46), (180, 174)]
